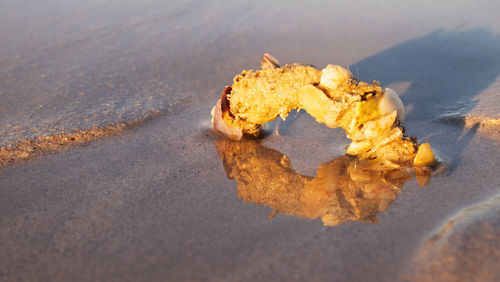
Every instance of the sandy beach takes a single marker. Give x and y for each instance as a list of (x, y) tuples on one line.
[(141, 192)]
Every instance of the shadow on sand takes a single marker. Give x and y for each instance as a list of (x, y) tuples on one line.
[(446, 70)]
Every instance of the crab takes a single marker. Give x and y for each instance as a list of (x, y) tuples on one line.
[(372, 117)]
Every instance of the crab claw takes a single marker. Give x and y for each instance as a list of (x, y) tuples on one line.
[(220, 126)]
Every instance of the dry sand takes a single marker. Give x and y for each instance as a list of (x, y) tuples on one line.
[(152, 201)]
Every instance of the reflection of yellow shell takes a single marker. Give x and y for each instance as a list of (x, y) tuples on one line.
[(344, 189)]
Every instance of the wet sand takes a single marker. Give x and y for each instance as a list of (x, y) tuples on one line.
[(464, 248), (153, 202)]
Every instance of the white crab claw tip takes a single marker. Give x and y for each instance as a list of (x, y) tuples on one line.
[(391, 102)]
